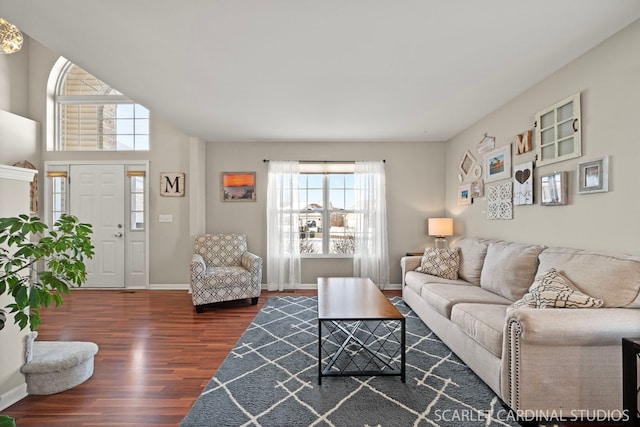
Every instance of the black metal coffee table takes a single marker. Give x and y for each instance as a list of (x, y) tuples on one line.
[(359, 331)]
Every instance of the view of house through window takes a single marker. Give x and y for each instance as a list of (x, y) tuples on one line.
[(326, 213), (92, 116)]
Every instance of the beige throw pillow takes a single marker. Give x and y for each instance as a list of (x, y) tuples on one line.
[(553, 290), (440, 262)]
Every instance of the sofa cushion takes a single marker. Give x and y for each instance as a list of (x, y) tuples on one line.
[(509, 268), (443, 297), (611, 277), (482, 322), (416, 280), (472, 253), (440, 262), (552, 290)]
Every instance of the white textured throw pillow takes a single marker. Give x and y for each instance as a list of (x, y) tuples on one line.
[(440, 262), (553, 290)]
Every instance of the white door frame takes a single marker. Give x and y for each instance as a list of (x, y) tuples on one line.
[(60, 165)]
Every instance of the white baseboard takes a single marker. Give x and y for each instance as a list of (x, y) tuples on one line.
[(169, 286), (389, 287), (185, 286), (12, 396)]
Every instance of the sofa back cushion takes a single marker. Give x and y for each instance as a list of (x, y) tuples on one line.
[(509, 268), (611, 277), (472, 253)]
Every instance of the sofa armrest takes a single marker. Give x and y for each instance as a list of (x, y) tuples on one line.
[(409, 263), (570, 327), (565, 360)]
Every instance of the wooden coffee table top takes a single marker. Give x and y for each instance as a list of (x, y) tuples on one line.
[(343, 298)]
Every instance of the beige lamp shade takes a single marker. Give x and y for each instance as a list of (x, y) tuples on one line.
[(440, 227)]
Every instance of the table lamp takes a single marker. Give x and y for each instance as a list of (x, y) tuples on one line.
[(441, 227)]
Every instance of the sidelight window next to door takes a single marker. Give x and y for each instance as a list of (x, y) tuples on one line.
[(112, 197)]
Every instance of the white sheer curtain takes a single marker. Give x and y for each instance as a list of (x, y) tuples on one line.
[(371, 257), (283, 238)]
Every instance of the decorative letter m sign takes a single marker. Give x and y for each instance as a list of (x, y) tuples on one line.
[(172, 184)]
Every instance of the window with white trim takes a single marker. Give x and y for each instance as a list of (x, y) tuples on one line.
[(326, 203), (58, 194), (137, 199), (93, 116)]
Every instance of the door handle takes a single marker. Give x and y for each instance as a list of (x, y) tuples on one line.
[(118, 234)]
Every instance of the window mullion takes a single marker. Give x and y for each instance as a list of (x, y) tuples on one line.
[(325, 214), (93, 99)]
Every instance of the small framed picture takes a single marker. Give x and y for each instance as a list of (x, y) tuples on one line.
[(593, 176), (477, 188), (464, 194), (497, 164), (238, 186), (466, 164), (553, 189)]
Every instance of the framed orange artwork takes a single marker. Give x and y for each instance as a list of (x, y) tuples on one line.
[(238, 186)]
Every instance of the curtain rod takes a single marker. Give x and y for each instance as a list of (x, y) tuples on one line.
[(324, 161)]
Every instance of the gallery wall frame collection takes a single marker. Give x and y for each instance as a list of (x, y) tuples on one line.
[(557, 130)]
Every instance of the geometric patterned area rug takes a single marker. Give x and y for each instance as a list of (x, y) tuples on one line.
[(270, 378)]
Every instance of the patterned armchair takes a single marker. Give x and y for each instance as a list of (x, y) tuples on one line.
[(223, 270)]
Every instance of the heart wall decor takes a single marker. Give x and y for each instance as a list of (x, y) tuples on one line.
[(523, 184), (523, 175)]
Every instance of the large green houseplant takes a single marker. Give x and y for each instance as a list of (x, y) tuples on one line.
[(61, 251)]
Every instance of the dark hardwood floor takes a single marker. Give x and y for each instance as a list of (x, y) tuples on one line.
[(156, 355)]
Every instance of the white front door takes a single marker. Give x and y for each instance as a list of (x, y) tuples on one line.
[(97, 197)]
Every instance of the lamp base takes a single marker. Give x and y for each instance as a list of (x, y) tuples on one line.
[(441, 243)]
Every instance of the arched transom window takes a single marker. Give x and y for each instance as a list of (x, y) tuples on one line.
[(93, 116)]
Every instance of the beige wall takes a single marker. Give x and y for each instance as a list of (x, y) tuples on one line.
[(417, 176), (170, 244), (18, 139), (14, 81), (14, 195), (608, 78), (415, 191)]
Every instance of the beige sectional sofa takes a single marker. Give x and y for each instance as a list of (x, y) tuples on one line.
[(542, 362)]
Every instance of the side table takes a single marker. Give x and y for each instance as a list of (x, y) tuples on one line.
[(630, 389)]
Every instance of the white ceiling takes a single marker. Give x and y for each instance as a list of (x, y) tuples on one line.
[(321, 70)]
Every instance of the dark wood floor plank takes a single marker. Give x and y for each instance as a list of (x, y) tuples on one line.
[(156, 355)]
